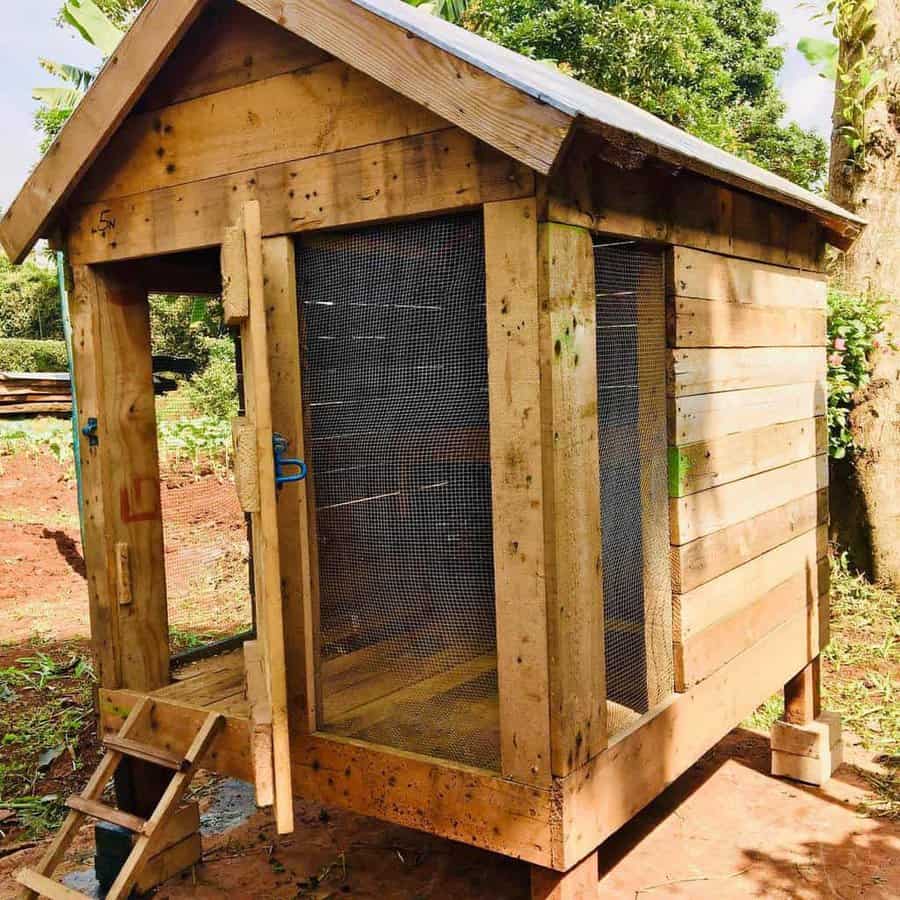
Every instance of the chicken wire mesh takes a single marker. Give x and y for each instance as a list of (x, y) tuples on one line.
[(394, 349), (206, 547), (631, 383)]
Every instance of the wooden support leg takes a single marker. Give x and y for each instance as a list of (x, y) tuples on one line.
[(802, 695), (806, 743), (579, 883)]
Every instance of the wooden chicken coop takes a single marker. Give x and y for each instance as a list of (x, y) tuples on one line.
[(555, 371)]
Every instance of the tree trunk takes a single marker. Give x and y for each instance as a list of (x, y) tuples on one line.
[(873, 264)]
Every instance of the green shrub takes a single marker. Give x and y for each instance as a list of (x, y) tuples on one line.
[(29, 301), (855, 328), (20, 355), (181, 325), (213, 391)]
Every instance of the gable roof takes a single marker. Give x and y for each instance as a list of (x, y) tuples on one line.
[(522, 108)]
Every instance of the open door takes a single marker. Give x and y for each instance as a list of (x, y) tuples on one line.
[(242, 280)]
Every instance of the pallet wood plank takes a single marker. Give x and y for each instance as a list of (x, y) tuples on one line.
[(709, 416), (42, 886), (260, 725), (228, 46), (697, 610), (698, 515), (578, 727), (709, 370), (97, 810), (266, 563), (709, 463), (714, 323), (703, 653), (296, 504), (430, 173), (702, 560), (714, 276), (311, 112), (514, 385)]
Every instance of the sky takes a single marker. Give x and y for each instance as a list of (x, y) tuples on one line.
[(30, 31)]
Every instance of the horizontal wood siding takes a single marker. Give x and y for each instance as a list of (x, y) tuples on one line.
[(748, 468)]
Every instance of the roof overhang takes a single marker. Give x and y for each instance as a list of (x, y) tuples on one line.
[(523, 108)]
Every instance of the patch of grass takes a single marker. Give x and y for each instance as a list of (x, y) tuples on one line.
[(46, 715), (861, 677)]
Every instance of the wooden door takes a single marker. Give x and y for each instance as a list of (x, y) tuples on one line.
[(243, 286)]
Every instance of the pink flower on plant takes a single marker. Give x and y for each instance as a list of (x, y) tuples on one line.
[(840, 344), (835, 359)]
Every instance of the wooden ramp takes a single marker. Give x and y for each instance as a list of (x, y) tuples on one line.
[(149, 833)]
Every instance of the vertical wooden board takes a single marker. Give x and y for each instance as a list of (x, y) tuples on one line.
[(511, 261), (657, 576), (130, 472), (802, 694), (296, 511), (713, 276), (88, 385), (266, 568), (572, 496)]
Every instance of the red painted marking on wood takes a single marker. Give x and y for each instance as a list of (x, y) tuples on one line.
[(140, 501)]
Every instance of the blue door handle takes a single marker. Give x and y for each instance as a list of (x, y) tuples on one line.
[(279, 446)]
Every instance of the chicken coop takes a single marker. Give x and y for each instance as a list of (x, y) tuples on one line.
[(532, 445)]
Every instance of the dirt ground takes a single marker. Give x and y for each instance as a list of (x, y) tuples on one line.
[(726, 829)]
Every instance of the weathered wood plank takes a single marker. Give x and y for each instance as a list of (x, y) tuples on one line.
[(712, 276), (702, 560), (720, 598), (228, 46), (129, 461), (506, 118), (703, 513), (703, 653), (572, 496), (449, 800), (310, 112), (514, 384), (604, 794), (711, 370), (705, 417), (430, 173), (655, 203), (715, 323), (127, 72), (706, 464)]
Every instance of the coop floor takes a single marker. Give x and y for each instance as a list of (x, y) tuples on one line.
[(215, 683), (430, 699)]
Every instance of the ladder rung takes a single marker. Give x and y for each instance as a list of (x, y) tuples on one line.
[(146, 752), (106, 813), (47, 887)]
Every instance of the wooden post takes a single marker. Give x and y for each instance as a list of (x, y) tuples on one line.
[(295, 527), (802, 695), (572, 496), (120, 477), (514, 375)]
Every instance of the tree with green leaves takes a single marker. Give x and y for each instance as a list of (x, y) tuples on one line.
[(92, 20), (707, 66)]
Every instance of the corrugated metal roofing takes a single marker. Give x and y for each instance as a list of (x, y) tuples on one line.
[(597, 108)]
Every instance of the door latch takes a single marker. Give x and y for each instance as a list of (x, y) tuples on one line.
[(90, 432), (279, 447)]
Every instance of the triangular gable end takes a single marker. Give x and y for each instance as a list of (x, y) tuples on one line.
[(521, 108)]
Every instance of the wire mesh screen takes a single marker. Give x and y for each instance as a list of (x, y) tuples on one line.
[(207, 553), (393, 341), (631, 382)]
